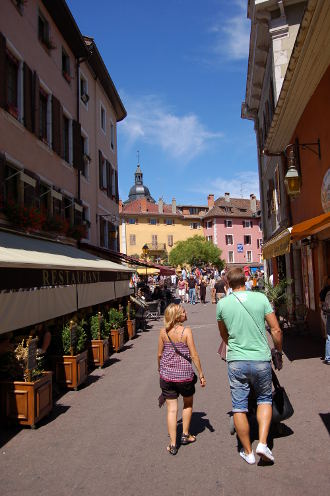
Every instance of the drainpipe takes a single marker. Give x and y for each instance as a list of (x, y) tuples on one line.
[(78, 117)]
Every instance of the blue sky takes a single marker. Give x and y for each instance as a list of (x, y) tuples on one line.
[(180, 69)]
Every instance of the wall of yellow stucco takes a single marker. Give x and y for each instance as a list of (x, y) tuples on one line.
[(143, 231)]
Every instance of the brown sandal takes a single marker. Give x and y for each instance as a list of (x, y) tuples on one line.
[(188, 438), (172, 449)]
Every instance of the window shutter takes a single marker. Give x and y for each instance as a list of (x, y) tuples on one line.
[(110, 179), (2, 177), (3, 93), (117, 192), (108, 166), (100, 170), (28, 98), (56, 125), (102, 226), (36, 104), (77, 145)]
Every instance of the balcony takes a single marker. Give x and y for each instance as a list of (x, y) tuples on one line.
[(152, 247)]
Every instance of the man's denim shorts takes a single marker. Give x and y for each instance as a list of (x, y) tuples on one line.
[(244, 374)]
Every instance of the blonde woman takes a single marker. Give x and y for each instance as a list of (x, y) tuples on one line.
[(176, 350)]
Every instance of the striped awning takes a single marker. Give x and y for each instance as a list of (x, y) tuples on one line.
[(277, 245)]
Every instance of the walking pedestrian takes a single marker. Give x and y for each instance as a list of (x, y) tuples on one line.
[(325, 305), (176, 350), (182, 289), (220, 288), (241, 320), (192, 289), (202, 289)]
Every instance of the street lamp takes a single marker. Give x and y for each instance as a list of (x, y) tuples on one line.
[(292, 178), (145, 251)]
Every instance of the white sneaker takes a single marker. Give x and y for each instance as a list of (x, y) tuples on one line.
[(265, 453), (249, 458)]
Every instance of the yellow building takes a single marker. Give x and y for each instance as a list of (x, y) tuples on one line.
[(159, 225)]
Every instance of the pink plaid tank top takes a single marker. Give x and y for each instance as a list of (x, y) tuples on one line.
[(173, 367)]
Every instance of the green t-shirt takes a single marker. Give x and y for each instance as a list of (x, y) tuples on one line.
[(245, 339)]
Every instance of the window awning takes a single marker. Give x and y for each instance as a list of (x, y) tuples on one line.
[(278, 245), (310, 227), (33, 253)]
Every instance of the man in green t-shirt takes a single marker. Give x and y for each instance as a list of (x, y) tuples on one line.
[(241, 319)]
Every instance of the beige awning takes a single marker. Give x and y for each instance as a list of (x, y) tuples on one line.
[(310, 227), (32, 253), (277, 245)]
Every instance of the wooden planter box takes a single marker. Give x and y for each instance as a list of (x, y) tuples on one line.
[(99, 351), (71, 371), (26, 403), (131, 328), (117, 338)]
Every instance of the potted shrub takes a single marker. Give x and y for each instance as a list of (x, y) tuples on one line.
[(71, 368), (116, 325), (131, 325), (99, 349), (25, 388)]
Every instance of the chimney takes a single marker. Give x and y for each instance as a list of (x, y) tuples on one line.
[(143, 204), (227, 197), (173, 206), (210, 201), (253, 203), (120, 206), (161, 206)]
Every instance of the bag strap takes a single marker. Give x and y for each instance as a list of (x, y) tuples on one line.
[(177, 351), (254, 320), (275, 380)]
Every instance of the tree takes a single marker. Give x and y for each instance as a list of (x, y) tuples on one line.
[(196, 251)]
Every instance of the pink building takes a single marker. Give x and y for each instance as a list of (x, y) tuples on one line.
[(233, 224)]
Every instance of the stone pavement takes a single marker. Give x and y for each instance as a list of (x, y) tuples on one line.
[(110, 437)]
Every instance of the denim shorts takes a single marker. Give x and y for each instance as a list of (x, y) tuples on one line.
[(244, 374)]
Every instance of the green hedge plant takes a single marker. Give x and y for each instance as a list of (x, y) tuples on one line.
[(116, 319), (81, 338), (105, 328)]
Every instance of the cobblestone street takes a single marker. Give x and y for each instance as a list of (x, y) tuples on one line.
[(110, 437)]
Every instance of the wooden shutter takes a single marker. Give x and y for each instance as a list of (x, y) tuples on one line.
[(110, 181), (36, 91), (77, 145), (109, 171), (56, 125), (3, 63), (116, 182), (28, 97), (100, 170), (2, 177)]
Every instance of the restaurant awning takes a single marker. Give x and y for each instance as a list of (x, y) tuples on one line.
[(147, 271), (277, 245), (310, 227)]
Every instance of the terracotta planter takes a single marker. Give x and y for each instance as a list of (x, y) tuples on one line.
[(117, 338), (99, 351), (131, 328), (26, 403), (71, 371)]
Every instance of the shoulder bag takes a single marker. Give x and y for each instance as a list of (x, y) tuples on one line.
[(183, 356), (282, 407)]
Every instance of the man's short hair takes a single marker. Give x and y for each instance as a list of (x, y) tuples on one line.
[(236, 278)]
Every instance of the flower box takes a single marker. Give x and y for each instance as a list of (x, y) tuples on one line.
[(26, 403), (71, 371), (99, 352), (117, 338), (131, 328)]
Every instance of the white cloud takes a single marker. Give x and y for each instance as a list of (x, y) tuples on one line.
[(232, 34), (241, 185), (150, 121)]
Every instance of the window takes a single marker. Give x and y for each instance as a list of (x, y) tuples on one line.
[(230, 257), (44, 198), (259, 243), (209, 238), (193, 210), (170, 240), (132, 239), (84, 97), (112, 135), (68, 209), (228, 223), (113, 182), (229, 239), (260, 226), (154, 240), (86, 220), (12, 85), (66, 139), (43, 29), (103, 119), (209, 224), (153, 221), (195, 225), (132, 221), (57, 207), (249, 256), (247, 223), (85, 157), (247, 240), (169, 222), (66, 66), (43, 102), (102, 172)]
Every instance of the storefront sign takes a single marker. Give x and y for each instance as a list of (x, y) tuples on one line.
[(240, 248), (325, 192)]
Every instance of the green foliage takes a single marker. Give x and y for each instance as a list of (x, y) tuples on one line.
[(81, 338), (277, 295), (196, 251), (94, 327), (116, 319)]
